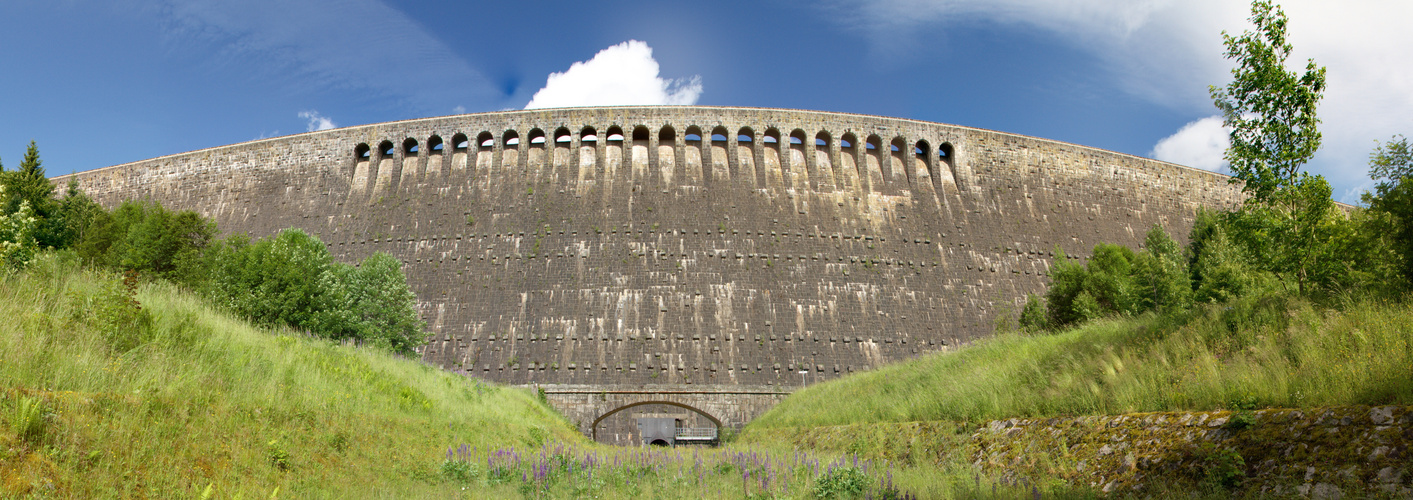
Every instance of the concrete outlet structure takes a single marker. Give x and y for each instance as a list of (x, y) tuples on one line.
[(613, 250)]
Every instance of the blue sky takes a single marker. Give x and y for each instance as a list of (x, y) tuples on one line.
[(103, 83)]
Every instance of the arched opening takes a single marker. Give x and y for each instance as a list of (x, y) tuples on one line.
[(692, 155), (362, 152), (434, 145), (873, 167), (615, 134), (594, 432), (922, 160), (385, 149), (562, 136), (847, 142), (537, 138), (459, 143), (641, 133), (797, 137), (588, 153), (510, 138), (944, 153), (658, 442), (665, 136), (823, 158), (409, 147), (485, 141), (772, 136), (898, 153)]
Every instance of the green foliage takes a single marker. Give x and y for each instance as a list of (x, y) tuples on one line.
[(17, 242), (210, 391), (1160, 273), (29, 418), (459, 471), (277, 454), (120, 319), (1259, 351), (1219, 468), (292, 280), (1032, 317), (381, 307), (1270, 110), (842, 482), (1117, 280), (144, 236), (1220, 268), (285, 280), (1391, 164)]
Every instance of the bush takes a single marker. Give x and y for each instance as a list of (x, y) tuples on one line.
[(146, 237), (843, 482), (292, 280), (17, 243), (285, 280), (1032, 317)]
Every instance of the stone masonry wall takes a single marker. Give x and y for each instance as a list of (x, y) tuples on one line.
[(626, 246), (1334, 452)]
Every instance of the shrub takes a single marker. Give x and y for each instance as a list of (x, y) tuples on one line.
[(1219, 468), (17, 243), (843, 482)]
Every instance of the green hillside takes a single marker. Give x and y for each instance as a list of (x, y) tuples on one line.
[(111, 388), (1269, 351)]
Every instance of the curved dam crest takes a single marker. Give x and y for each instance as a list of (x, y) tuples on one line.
[(685, 246)]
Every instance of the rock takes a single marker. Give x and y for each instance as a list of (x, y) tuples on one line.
[(1326, 491), (1382, 415), (1390, 475), (1378, 453), (1105, 450)]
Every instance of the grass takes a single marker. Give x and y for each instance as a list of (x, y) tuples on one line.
[(1271, 351), (109, 389)]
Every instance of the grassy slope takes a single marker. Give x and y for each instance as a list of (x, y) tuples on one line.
[(176, 397), (1269, 351)]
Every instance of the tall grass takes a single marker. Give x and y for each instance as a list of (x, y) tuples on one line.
[(1270, 351), (156, 394)]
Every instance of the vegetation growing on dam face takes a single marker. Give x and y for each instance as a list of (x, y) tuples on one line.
[(289, 279)]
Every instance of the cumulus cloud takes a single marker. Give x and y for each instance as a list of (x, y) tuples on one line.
[(1199, 144), (624, 74), (317, 122), (1169, 51)]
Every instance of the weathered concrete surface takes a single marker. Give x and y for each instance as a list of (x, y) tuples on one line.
[(608, 413), (539, 256)]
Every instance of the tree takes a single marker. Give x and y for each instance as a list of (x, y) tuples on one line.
[(1391, 164), (1271, 113), (28, 184), (1161, 272), (383, 310)]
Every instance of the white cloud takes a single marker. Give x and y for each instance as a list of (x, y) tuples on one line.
[(624, 74), (1198, 144), (317, 122), (460, 110), (1169, 51)]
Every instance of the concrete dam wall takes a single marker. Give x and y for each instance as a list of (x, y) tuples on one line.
[(634, 246)]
